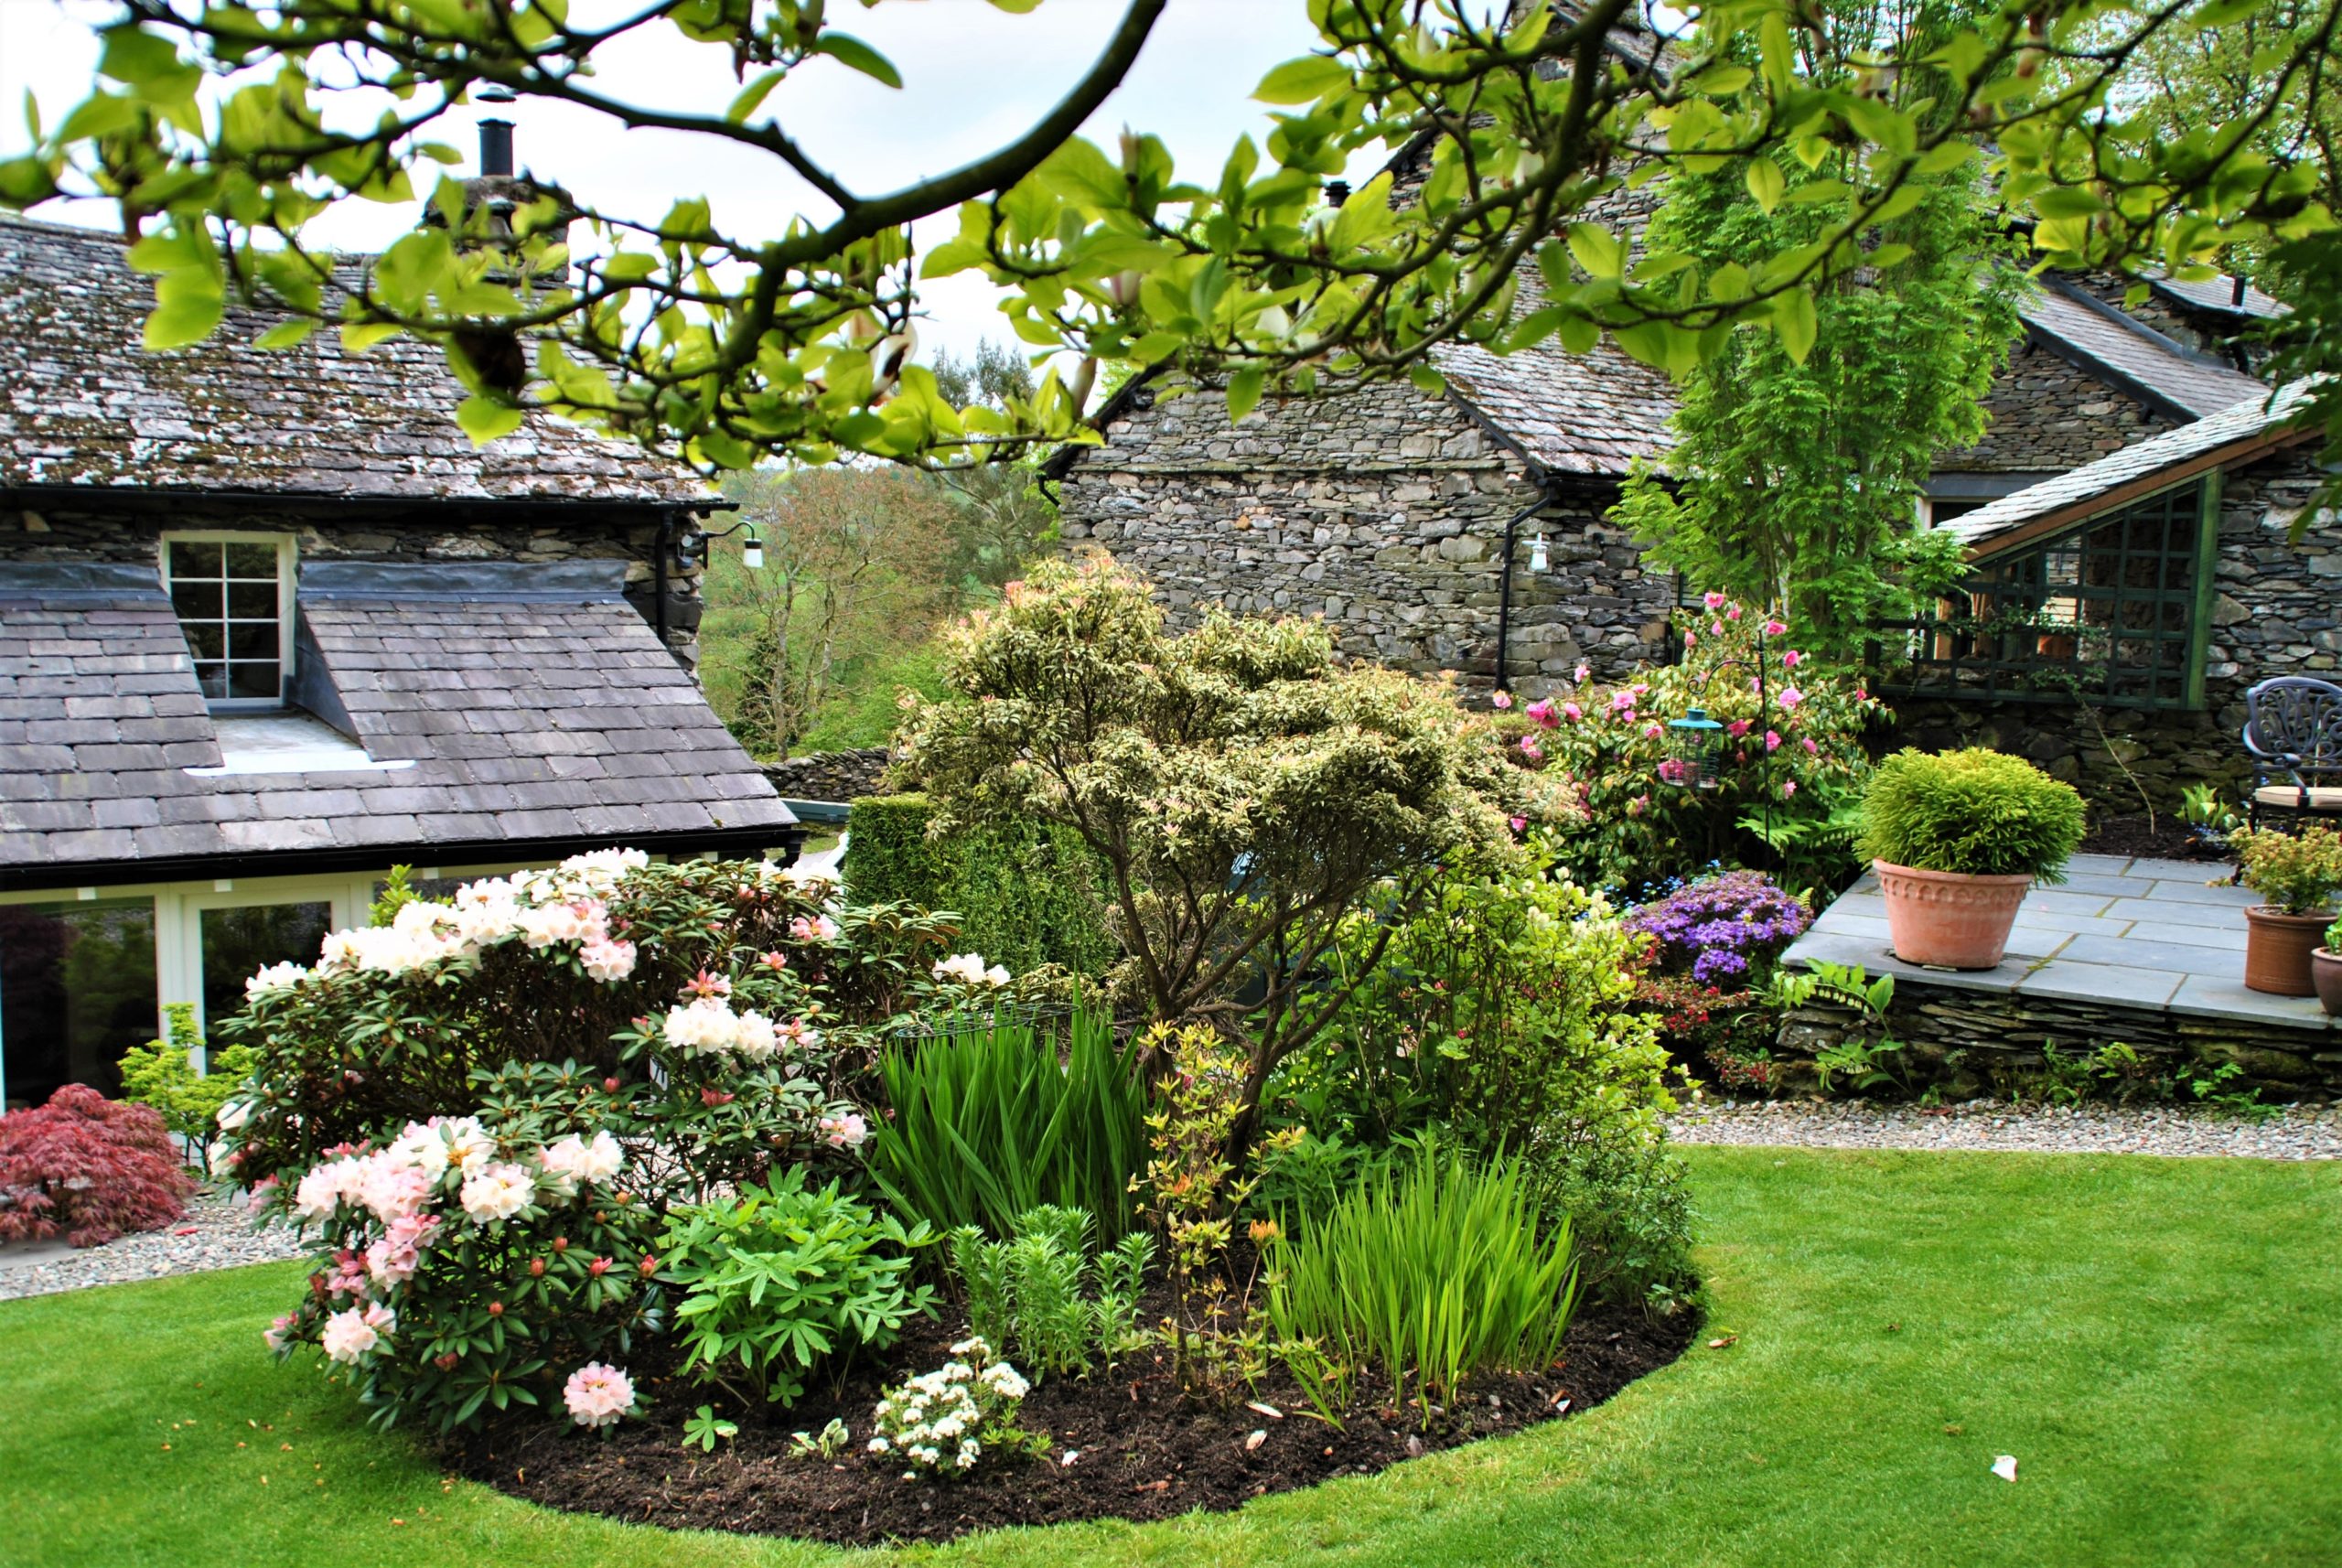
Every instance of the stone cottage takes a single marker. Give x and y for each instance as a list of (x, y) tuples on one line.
[(270, 624)]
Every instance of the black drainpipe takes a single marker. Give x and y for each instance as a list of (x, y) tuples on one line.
[(1504, 587), (659, 574)]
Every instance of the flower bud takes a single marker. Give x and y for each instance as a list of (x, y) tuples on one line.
[(536, 1268), (496, 1309)]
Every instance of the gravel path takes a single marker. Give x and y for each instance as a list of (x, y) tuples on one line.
[(216, 1234), (2296, 1133)]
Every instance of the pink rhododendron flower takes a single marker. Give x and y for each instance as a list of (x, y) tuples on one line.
[(1621, 701), (813, 928), (706, 984), (1500, 701), (1713, 601), (775, 960), (845, 1132), (1540, 710), (574, 1159), (279, 1334), (497, 1192), (1772, 740), (1691, 640), (607, 961), (1715, 629), (1774, 628), (1671, 771), (350, 1334), (1736, 728), (597, 1394), (1791, 697)]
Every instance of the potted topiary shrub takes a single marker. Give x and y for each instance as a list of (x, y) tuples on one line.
[(2325, 970), (1956, 840), (2298, 873)]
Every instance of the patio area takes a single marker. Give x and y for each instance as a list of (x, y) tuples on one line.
[(2155, 945)]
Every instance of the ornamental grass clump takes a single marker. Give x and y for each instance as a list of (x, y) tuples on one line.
[(1973, 812), (1434, 1276)]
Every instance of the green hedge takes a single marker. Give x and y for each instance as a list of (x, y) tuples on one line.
[(1025, 896)]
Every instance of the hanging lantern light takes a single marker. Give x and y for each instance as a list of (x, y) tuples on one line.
[(752, 550), (1694, 751)]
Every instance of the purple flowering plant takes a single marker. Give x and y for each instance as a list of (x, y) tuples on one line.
[(1716, 928)]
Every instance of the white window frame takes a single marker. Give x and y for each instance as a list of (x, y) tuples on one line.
[(288, 567)]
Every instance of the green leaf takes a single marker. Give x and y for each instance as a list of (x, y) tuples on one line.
[(1598, 250), (847, 49), (1015, 7), (1794, 320), (484, 419), (1244, 391), (1427, 379), (1765, 183), (1303, 80), (286, 334), (752, 97), (182, 315), (2067, 201)]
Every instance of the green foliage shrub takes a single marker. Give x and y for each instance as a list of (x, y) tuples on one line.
[(1975, 812), (1044, 1296), (1025, 894), (2298, 873), (161, 1074), (1433, 1274), (779, 1282), (987, 1125)]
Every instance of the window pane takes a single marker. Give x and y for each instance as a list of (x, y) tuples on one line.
[(258, 681), (253, 561), (212, 678), (239, 943), (195, 560), (196, 600), (251, 601), (252, 640), (207, 639), (77, 988)]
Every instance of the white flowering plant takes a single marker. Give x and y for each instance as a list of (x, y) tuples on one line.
[(485, 1108), (945, 1422)]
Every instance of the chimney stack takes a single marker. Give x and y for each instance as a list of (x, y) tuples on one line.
[(496, 137)]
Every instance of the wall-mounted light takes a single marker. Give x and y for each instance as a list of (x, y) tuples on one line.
[(1538, 560), (690, 547)]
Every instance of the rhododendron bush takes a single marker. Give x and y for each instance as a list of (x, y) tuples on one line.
[(485, 1109), (1791, 756)]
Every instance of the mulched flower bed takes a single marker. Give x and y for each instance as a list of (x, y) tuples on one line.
[(1144, 1452), (2170, 839)]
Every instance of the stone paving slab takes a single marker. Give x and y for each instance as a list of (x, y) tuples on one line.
[(2163, 936)]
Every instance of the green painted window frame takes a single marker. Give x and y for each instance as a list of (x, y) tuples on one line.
[(2113, 611)]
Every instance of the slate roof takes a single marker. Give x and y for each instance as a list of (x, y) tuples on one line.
[(2255, 421), (537, 709), (83, 403), (2218, 295), (2185, 384)]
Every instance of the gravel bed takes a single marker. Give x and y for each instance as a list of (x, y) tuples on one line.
[(216, 1234), (2294, 1133)]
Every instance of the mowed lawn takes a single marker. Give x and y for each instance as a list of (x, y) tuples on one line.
[(2159, 1342)]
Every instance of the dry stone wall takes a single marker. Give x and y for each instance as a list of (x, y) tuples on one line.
[(2048, 414), (1379, 509)]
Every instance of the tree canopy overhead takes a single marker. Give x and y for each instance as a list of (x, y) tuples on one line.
[(224, 128)]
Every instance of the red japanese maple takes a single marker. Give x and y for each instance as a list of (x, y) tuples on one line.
[(88, 1169)]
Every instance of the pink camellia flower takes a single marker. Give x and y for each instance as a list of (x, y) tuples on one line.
[(1736, 728), (1541, 710), (1691, 640), (1713, 601), (1792, 659), (1789, 787), (1860, 696), (1519, 824), (706, 984), (1774, 628), (1811, 749), (1500, 701), (1772, 740), (1791, 697), (1635, 807), (1671, 771), (775, 960), (1621, 700), (599, 1395), (1530, 750), (1572, 712), (1652, 731), (1583, 671)]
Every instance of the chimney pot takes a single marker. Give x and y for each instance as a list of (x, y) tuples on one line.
[(495, 148)]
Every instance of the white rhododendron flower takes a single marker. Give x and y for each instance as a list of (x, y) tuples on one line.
[(350, 1334), (234, 1114), (574, 1159), (468, 1144), (497, 1192), (275, 977), (607, 960), (597, 1394), (846, 1131), (967, 968), (754, 1036)]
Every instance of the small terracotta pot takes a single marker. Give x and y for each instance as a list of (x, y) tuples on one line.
[(2277, 948), (1946, 920), (2326, 974)]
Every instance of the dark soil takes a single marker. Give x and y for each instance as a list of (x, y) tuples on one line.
[(2170, 839), (1144, 1451)]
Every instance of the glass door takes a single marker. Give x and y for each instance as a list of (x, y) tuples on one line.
[(238, 940)]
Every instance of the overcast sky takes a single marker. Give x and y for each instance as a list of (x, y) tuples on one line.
[(974, 77)]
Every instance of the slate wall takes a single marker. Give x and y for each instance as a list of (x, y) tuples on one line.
[(81, 531), (1377, 508), (2048, 414)]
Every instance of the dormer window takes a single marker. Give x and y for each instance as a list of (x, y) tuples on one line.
[(233, 596)]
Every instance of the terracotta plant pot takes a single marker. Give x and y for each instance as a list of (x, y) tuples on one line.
[(2326, 974), (1946, 920), (2277, 948)]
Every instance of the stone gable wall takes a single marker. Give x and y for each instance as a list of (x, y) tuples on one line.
[(2278, 612), (2048, 414), (1378, 508), (86, 532)]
